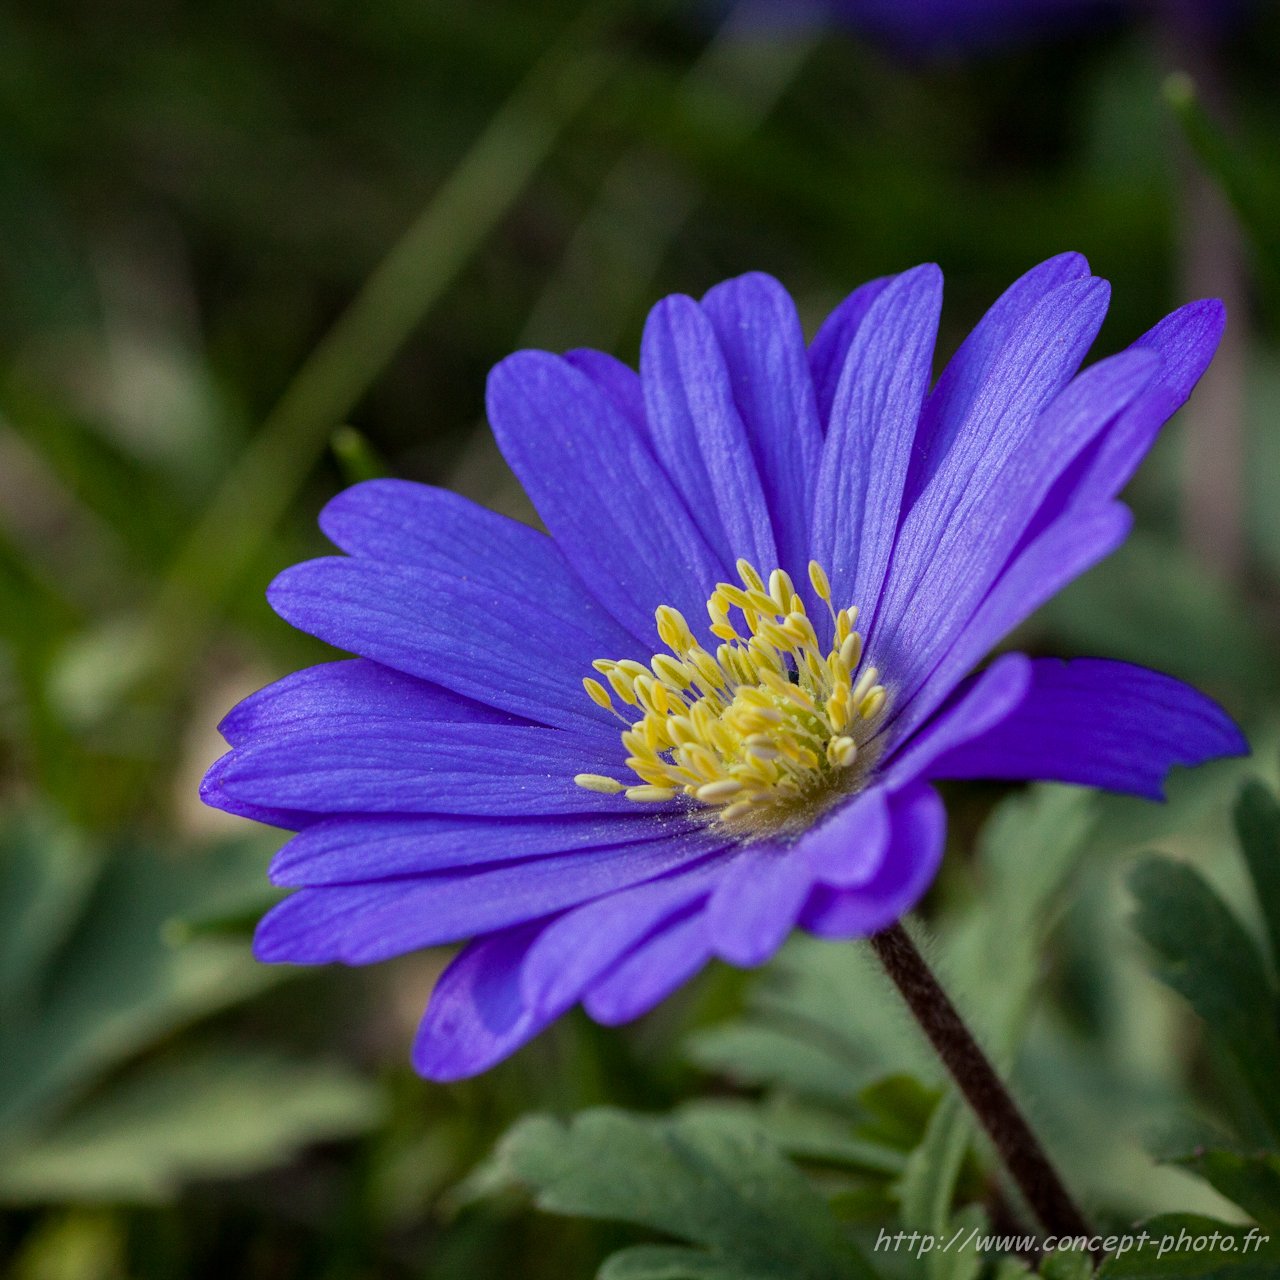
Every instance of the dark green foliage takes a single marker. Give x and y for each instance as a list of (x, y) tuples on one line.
[(1208, 956), (702, 1177), (100, 964)]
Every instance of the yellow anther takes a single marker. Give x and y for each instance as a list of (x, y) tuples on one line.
[(651, 794), (671, 672), (673, 630), (750, 575), (851, 651), (718, 611), (734, 595), (718, 792), (839, 713), (866, 682), (598, 782), (765, 732), (781, 589), (655, 774), (597, 693), (681, 729), (800, 629), (870, 706), (622, 685)]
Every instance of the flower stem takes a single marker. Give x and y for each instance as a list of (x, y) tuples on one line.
[(1005, 1124)]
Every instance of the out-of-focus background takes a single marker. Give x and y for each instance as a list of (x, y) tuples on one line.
[(251, 253)]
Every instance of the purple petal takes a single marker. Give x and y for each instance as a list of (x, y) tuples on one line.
[(969, 521), (967, 374), (759, 333), (495, 647), (618, 382), (342, 693), (699, 434), (212, 794), (650, 973), (869, 439), (1061, 553), (1185, 341), (389, 764), (830, 347), (347, 850), (847, 846), (475, 1017), (907, 870), (1099, 724), (600, 491), (755, 903), (415, 526), (973, 709), (578, 947), (365, 923)]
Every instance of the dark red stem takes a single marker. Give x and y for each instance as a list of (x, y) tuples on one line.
[(1023, 1157)]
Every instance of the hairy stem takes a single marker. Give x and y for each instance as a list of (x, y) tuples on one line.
[(1005, 1124)]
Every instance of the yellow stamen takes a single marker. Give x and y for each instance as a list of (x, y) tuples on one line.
[(651, 794), (597, 693), (765, 733), (598, 782)]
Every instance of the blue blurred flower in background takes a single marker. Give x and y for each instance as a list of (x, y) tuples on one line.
[(773, 566), (918, 28)]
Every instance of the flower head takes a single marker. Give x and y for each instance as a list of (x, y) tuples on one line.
[(710, 704)]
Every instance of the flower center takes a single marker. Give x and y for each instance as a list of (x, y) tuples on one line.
[(766, 731)]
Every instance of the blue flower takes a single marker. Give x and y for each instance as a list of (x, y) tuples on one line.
[(711, 706), (933, 26), (928, 25)]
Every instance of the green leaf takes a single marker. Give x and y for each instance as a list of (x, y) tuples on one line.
[(106, 980), (822, 1021), (357, 457), (1011, 1269), (1028, 849), (1206, 955), (933, 1168), (1150, 603), (45, 873), (668, 1262), (1248, 181), (209, 1115), (709, 1180), (1188, 1245), (898, 1109), (1251, 1181), (1067, 1264), (1257, 818), (810, 1134), (966, 1262)]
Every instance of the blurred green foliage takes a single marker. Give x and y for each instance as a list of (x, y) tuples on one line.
[(248, 254)]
